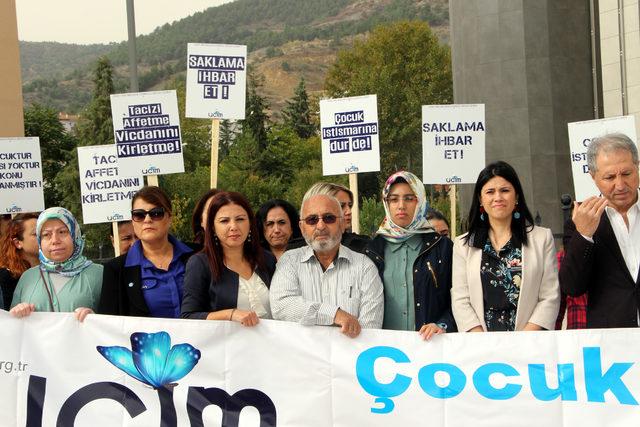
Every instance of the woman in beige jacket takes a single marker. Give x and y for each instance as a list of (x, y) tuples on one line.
[(505, 275)]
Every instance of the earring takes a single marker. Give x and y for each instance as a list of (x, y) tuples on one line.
[(516, 214), (215, 239), (249, 237), (481, 213)]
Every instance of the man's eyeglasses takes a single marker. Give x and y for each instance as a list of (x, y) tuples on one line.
[(156, 214), (408, 198), (315, 219)]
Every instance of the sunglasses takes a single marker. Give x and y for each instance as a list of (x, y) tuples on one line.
[(156, 214), (314, 219)]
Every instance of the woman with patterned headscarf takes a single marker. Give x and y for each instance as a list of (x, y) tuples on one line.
[(414, 262), (65, 280)]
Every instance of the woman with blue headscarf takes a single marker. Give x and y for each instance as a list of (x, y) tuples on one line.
[(414, 262), (65, 280)]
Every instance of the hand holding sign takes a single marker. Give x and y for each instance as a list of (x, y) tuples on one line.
[(586, 215)]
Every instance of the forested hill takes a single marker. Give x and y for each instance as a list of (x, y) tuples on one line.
[(286, 39)]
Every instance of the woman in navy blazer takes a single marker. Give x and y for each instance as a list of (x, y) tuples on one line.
[(230, 278)]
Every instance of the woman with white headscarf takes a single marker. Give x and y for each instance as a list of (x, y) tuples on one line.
[(65, 280), (414, 262)]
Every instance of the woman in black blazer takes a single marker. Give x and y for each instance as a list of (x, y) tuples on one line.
[(230, 278), (147, 281)]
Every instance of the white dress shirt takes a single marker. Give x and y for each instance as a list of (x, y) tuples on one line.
[(628, 238), (302, 292)]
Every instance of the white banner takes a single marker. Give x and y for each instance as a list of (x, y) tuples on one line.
[(453, 143), (216, 81), (147, 132), (20, 176), (105, 191), (118, 371), (350, 135), (580, 136)]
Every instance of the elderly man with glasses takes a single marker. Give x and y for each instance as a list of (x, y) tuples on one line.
[(325, 283)]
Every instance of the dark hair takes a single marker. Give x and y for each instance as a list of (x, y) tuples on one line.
[(479, 228), (153, 195), (11, 258), (290, 210), (196, 217), (119, 224), (434, 214), (251, 250)]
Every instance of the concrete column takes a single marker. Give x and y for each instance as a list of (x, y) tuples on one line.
[(529, 62), (11, 113)]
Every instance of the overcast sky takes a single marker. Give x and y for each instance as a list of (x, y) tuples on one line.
[(98, 21)]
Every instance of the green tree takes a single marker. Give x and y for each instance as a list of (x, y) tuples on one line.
[(227, 136), (55, 145), (94, 128), (297, 114), (406, 66), (256, 120)]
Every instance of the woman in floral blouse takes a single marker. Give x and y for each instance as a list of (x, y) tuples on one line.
[(505, 276)]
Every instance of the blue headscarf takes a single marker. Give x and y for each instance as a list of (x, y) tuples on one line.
[(76, 262)]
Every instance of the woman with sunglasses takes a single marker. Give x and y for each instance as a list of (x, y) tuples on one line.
[(230, 278), (147, 281), (505, 275), (414, 262), (65, 280), (19, 249)]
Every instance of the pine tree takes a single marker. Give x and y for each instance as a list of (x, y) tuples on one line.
[(256, 119), (96, 125), (297, 114), (94, 128), (227, 136)]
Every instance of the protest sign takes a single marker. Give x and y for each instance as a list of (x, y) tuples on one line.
[(580, 136), (216, 81), (20, 176), (350, 137), (125, 371), (105, 190), (147, 132), (453, 143)]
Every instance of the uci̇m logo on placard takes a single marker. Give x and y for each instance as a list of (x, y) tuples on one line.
[(156, 364), (14, 209)]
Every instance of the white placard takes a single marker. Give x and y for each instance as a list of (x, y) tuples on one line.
[(105, 191), (128, 371), (216, 81), (147, 132), (20, 175), (350, 135), (580, 135), (453, 143)]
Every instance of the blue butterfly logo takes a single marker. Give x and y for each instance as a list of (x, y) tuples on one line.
[(152, 360)]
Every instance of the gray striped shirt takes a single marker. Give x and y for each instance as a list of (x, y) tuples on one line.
[(302, 292)]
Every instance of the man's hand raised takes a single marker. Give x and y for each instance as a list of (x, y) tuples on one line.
[(586, 215)]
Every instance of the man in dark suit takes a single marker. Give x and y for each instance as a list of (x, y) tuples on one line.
[(602, 242)]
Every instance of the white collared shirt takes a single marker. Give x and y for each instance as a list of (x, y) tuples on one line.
[(302, 292), (628, 238)]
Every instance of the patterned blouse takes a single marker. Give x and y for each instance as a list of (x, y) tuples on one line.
[(501, 275)]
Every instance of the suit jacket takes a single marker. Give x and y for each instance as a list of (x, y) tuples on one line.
[(203, 294), (122, 288), (599, 269), (539, 298)]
